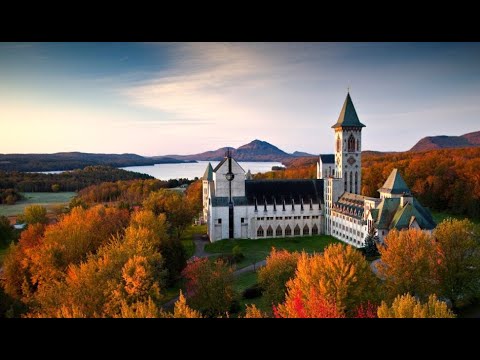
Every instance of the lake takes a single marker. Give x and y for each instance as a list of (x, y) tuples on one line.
[(192, 170)]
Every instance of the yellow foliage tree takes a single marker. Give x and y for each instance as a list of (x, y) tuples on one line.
[(252, 312), (409, 263), (406, 306), (140, 309), (182, 310), (458, 243), (273, 277)]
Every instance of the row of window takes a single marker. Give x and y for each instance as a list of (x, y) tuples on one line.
[(348, 218), (346, 229), (287, 217), (348, 238), (288, 231)]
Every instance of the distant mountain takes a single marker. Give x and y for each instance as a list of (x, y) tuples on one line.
[(257, 150), (443, 142), (74, 160), (301, 154)]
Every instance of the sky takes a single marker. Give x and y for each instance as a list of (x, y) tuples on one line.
[(185, 98)]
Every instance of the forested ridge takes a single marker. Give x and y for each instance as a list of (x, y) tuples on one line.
[(75, 160), (68, 181), (443, 180)]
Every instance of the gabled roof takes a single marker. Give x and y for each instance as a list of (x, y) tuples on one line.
[(348, 115), (282, 189), (208, 175), (327, 159), (395, 184), (220, 164), (391, 215)]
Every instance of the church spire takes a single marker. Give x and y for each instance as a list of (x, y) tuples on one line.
[(348, 115)]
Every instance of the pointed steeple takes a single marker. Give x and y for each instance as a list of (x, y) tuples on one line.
[(208, 175), (395, 184), (348, 115)]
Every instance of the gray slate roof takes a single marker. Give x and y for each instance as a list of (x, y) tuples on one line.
[(390, 215), (348, 115), (328, 158), (282, 189), (208, 175), (395, 184)]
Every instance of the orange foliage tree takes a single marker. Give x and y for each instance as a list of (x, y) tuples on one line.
[(339, 276)]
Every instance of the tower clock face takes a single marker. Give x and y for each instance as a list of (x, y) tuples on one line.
[(229, 176), (351, 160)]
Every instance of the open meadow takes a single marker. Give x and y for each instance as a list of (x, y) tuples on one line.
[(46, 199)]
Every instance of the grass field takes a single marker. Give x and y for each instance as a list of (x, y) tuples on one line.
[(440, 216), (48, 200), (257, 250), (187, 237)]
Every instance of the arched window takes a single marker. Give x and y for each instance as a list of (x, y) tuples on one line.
[(345, 181), (351, 181), (356, 182), (288, 231), (269, 231), (338, 144), (315, 229), (306, 230), (351, 143), (260, 232), (296, 231), (358, 145), (279, 231)]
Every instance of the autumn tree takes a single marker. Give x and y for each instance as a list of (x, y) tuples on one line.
[(140, 309), (193, 196), (174, 205), (407, 306), (252, 312), (340, 275), (34, 214), (314, 305), (209, 286), (273, 277), (409, 263), (458, 266), (173, 252), (182, 310), (121, 279), (17, 264)]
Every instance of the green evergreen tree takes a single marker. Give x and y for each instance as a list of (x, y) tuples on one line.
[(371, 241)]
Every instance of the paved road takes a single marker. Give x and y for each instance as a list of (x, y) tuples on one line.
[(199, 247)]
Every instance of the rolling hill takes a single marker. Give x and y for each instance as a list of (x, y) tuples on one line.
[(444, 142), (257, 150)]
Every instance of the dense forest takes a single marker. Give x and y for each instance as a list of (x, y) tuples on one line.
[(66, 181), (75, 160), (444, 180)]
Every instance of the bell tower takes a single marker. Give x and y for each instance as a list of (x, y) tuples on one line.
[(348, 147)]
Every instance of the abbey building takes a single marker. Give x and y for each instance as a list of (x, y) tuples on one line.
[(236, 206)]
